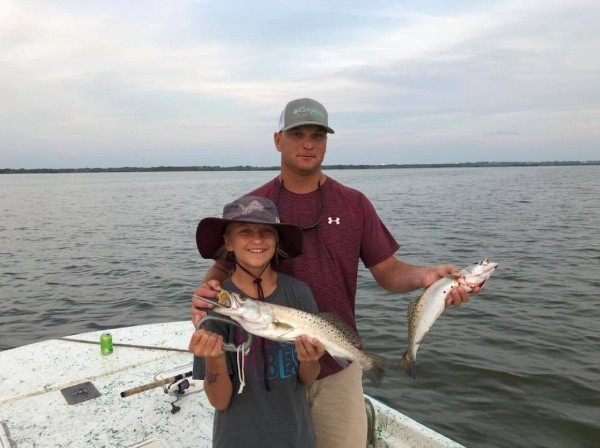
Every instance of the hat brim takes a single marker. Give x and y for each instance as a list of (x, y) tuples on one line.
[(307, 123), (209, 237)]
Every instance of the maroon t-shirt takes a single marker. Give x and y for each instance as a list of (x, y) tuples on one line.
[(350, 229)]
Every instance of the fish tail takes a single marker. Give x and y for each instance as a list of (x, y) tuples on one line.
[(408, 365), (375, 369)]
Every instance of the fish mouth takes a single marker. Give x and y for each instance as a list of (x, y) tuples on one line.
[(482, 275), (489, 265), (222, 300), (490, 268)]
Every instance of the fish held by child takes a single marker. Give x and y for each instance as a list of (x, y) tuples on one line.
[(281, 323)]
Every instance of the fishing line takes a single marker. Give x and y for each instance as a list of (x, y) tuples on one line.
[(240, 366)]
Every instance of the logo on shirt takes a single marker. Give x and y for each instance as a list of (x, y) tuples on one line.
[(336, 221), (281, 359)]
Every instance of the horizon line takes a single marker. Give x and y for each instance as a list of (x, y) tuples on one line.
[(273, 168)]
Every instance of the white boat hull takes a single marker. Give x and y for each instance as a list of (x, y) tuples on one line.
[(34, 412)]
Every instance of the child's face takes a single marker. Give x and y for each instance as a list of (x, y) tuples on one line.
[(253, 244)]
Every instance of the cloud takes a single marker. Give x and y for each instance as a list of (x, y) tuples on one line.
[(190, 81)]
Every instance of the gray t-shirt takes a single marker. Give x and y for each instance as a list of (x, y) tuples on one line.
[(258, 417)]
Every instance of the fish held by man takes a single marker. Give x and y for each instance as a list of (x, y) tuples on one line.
[(281, 323), (424, 311)]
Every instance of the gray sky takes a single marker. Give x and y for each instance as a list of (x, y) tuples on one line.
[(147, 83)]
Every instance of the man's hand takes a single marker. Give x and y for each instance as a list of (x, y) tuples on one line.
[(457, 295), (209, 290)]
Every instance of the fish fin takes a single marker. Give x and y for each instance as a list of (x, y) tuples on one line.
[(339, 323), (377, 369), (374, 369), (408, 365), (283, 325)]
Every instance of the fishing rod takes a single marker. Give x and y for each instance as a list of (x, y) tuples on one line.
[(154, 384), (244, 348), (121, 344)]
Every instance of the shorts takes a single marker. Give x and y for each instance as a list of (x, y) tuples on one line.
[(337, 407)]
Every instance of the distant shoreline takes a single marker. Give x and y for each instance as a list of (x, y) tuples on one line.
[(128, 169)]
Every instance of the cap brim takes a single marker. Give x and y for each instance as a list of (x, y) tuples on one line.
[(306, 123)]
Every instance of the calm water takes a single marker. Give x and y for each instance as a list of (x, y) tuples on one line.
[(517, 366)]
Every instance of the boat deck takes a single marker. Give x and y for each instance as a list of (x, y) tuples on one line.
[(34, 411)]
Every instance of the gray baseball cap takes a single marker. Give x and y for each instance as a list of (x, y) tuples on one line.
[(303, 111)]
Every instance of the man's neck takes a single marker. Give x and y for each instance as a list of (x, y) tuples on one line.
[(302, 184)]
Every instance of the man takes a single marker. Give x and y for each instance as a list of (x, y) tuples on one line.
[(340, 228)]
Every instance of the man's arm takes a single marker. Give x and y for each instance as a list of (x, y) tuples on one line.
[(216, 272), (396, 276)]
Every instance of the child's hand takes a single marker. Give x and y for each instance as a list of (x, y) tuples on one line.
[(309, 350), (207, 344)]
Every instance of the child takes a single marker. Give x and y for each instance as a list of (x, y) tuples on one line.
[(272, 410)]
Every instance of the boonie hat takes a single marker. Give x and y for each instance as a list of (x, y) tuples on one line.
[(252, 209), (303, 111)]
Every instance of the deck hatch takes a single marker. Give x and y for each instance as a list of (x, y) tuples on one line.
[(80, 392)]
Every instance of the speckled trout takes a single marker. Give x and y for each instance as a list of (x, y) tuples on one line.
[(281, 323), (424, 311)]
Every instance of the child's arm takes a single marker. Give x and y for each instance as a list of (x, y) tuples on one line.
[(217, 384), (309, 353)]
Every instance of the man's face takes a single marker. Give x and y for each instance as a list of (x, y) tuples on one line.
[(302, 148)]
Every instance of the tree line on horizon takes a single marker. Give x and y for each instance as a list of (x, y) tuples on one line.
[(128, 169)]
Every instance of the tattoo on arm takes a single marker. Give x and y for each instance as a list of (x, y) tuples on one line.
[(211, 377)]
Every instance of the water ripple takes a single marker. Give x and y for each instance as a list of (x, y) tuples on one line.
[(516, 366)]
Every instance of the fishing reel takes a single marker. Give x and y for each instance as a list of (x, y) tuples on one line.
[(183, 385)]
